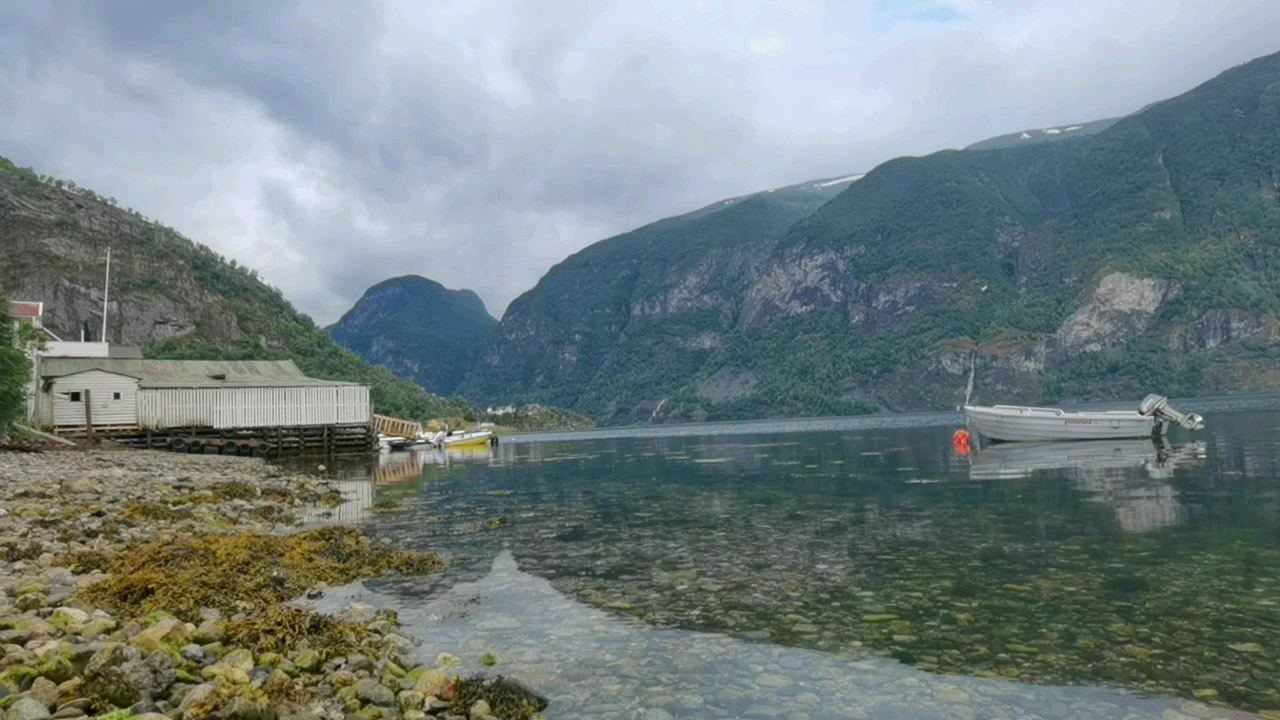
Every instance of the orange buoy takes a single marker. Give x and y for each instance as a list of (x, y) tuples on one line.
[(960, 441)]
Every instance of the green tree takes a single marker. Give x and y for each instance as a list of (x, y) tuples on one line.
[(13, 374)]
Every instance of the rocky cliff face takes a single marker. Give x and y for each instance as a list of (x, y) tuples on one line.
[(173, 296), (418, 329), (1121, 307), (55, 244), (1137, 256), (619, 329)]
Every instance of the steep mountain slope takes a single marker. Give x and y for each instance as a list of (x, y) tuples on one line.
[(418, 329), (624, 324), (1144, 256), (177, 298), (1132, 255), (1037, 136)]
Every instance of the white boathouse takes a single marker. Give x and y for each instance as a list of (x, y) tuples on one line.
[(77, 393)]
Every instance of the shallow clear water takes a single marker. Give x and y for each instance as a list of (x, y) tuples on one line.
[(850, 570)]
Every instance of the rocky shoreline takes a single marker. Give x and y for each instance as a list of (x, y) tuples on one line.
[(157, 586)]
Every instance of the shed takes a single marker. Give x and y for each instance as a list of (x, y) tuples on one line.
[(108, 398), (214, 394)]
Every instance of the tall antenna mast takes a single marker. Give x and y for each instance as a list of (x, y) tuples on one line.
[(106, 289)]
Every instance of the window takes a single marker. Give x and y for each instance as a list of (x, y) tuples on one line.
[(75, 397), (115, 396)]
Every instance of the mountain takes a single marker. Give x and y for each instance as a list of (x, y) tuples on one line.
[(418, 329), (177, 298), (1141, 255), (618, 328), (1037, 136)]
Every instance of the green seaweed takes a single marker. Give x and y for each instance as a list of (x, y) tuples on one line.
[(507, 699)]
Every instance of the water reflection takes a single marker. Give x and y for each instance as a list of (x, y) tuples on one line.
[(1118, 564), (1129, 476), (595, 665)]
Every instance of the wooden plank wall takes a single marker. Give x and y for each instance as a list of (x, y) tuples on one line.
[(103, 388), (253, 407)]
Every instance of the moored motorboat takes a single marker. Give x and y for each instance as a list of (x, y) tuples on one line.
[(442, 439), (1018, 423), (468, 439)]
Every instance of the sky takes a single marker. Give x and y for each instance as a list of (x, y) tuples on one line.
[(331, 144)]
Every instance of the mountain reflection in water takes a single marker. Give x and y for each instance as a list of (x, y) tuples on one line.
[(1111, 565)]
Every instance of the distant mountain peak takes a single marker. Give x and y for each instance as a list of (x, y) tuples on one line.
[(419, 329)]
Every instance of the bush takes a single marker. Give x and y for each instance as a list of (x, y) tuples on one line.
[(13, 374)]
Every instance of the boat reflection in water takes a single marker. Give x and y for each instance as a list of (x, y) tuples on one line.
[(406, 465), (1130, 476)]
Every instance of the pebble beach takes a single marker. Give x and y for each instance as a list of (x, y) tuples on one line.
[(158, 586)]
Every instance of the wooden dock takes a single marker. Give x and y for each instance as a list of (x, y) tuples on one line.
[(396, 427), (258, 442)]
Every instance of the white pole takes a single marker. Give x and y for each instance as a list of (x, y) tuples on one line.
[(106, 288)]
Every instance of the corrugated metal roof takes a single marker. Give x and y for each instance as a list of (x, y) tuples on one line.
[(189, 373), (25, 309)]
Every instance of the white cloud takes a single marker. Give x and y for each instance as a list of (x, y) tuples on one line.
[(332, 145)]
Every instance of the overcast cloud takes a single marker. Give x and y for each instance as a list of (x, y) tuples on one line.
[(333, 143)]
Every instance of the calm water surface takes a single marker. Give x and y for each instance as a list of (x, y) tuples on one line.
[(849, 569)]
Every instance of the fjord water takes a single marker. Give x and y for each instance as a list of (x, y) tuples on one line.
[(850, 569)]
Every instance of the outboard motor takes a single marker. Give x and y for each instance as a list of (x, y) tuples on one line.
[(1157, 406)]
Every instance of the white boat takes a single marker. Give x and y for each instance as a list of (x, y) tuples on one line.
[(468, 438), (1018, 423), (443, 439)]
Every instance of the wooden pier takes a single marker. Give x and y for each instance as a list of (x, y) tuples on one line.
[(256, 442), (396, 427)]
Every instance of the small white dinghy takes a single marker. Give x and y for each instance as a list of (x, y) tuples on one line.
[(1016, 423)]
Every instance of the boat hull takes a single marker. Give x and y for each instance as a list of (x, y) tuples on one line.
[(469, 442), (1026, 424)]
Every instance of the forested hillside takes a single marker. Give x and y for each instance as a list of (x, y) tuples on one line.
[(1134, 255), (176, 297), (619, 327)]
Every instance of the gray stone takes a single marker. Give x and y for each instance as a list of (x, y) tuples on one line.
[(242, 708), (69, 616), (82, 704), (15, 636), (109, 656), (196, 695), (125, 683), (306, 660), (773, 681), (209, 631), (410, 700), (371, 692), (45, 691), (192, 652), (356, 663), (27, 708)]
